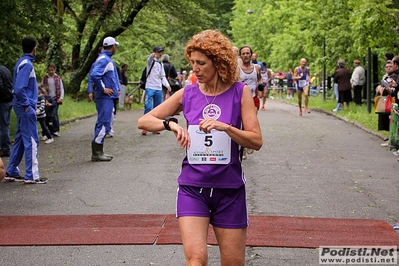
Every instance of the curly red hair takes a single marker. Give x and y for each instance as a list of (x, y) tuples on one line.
[(219, 49)]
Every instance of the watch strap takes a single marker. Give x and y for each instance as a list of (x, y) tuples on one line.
[(167, 120)]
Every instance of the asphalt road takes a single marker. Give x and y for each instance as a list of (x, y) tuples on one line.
[(311, 166)]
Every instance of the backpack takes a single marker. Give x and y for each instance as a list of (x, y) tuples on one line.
[(144, 76), (173, 83)]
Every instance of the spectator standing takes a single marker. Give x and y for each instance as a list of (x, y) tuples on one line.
[(383, 119), (290, 84), (314, 82), (184, 77), (26, 140), (180, 78), (211, 192), (279, 78), (5, 108), (394, 83), (336, 92), (90, 85), (106, 82), (170, 72), (342, 77), (155, 80), (123, 79), (357, 81), (192, 79), (56, 90), (50, 105), (41, 114)]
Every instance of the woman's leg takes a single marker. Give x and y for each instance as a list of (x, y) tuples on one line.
[(194, 233), (232, 244)]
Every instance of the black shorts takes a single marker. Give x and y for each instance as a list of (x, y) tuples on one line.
[(261, 87)]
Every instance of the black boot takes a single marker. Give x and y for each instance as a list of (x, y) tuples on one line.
[(98, 154)]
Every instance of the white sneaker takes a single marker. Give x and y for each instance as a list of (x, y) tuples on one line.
[(49, 141), (384, 144), (396, 153), (109, 135), (44, 138), (244, 154), (271, 97), (57, 134)]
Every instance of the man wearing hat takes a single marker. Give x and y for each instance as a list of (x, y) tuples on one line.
[(357, 81), (156, 78), (106, 83)]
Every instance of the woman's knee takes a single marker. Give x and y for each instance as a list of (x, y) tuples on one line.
[(196, 257)]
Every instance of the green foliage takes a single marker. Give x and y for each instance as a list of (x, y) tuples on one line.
[(70, 32), (54, 55), (283, 31)]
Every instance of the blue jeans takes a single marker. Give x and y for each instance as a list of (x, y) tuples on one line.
[(153, 98), (5, 109), (56, 120), (336, 92)]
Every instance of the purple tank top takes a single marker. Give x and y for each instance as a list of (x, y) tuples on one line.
[(227, 109)]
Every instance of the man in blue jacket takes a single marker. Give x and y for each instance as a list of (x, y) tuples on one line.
[(106, 88), (24, 104)]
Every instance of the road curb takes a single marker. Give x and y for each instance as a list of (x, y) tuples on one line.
[(359, 125)]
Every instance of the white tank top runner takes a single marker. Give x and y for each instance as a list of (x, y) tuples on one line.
[(265, 76), (251, 79)]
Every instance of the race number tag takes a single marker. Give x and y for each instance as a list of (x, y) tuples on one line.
[(211, 148), (302, 83)]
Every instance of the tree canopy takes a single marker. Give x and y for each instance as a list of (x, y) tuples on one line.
[(283, 31), (279, 31)]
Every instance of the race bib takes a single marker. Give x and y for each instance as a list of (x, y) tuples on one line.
[(302, 83), (208, 148)]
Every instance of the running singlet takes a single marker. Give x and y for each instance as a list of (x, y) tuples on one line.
[(303, 81), (214, 159), (251, 79), (265, 77)]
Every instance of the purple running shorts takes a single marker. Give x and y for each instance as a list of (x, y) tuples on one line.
[(226, 208)]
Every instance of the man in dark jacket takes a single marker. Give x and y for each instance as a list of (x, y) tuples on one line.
[(5, 109), (171, 75)]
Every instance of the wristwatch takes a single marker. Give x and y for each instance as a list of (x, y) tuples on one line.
[(167, 120)]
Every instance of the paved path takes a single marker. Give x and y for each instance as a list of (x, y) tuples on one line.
[(311, 166)]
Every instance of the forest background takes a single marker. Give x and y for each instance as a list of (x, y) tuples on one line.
[(281, 32)]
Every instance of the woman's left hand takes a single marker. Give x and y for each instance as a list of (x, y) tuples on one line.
[(206, 125), (182, 135)]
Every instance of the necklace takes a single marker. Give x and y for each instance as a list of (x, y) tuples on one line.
[(209, 105)]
